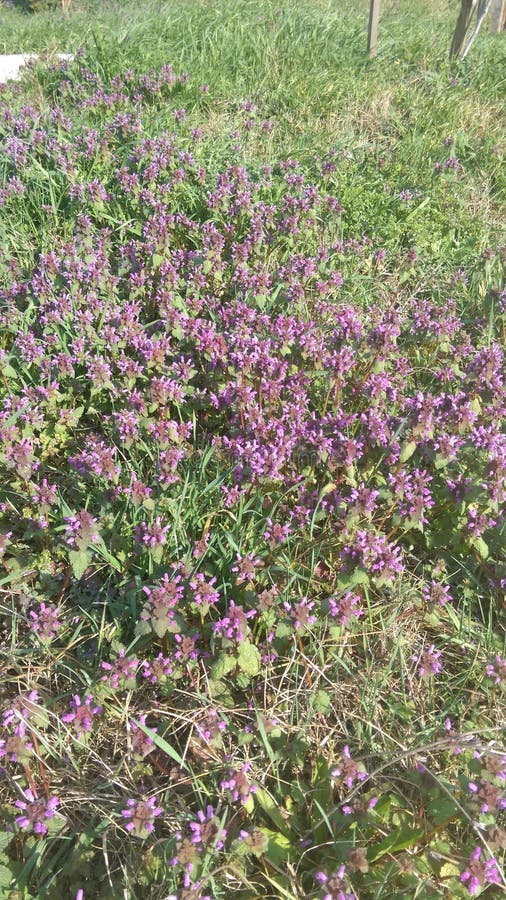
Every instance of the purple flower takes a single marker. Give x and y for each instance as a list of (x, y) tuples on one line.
[(152, 535), (45, 621), (234, 625), (335, 886), (428, 662), (300, 613), (141, 816), (36, 812), (497, 670), (206, 830), (157, 670), (344, 609), (238, 784), (204, 591), (82, 530), (436, 593), (24, 707), (16, 747), (245, 567), (141, 743), (488, 796), (121, 672), (348, 771), (81, 714), (480, 872), (4, 542)]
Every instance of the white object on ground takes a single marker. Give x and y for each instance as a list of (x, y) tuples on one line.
[(10, 64)]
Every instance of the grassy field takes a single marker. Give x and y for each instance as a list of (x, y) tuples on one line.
[(253, 455)]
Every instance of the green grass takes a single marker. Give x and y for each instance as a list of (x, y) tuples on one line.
[(304, 67)]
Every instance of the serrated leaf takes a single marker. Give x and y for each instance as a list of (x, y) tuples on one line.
[(8, 371), (6, 876), (449, 870), (222, 666), (321, 702), (284, 630), (350, 579), (481, 547), (5, 839), (79, 560), (248, 658)]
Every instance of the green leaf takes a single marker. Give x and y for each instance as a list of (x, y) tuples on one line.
[(156, 554), (79, 560), (441, 809), (399, 839), (6, 877), (162, 744), (481, 547), (222, 666), (407, 450), (5, 839), (321, 702), (249, 659), (278, 847), (350, 579), (102, 551), (269, 806), (8, 371)]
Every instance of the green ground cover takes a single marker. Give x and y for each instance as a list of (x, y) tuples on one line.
[(252, 454)]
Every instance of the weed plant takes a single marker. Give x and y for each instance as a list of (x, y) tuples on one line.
[(252, 456)]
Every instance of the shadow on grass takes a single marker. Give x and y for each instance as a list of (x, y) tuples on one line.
[(33, 6)]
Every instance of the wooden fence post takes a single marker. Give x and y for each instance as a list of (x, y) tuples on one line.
[(372, 39), (497, 16), (467, 8)]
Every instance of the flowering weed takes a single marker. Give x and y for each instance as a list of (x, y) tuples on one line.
[(252, 463)]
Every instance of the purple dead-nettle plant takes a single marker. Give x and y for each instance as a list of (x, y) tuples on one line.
[(245, 568), (45, 621), (348, 772), (82, 530), (159, 613), (206, 830), (234, 626), (81, 714), (35, 812), (140, 816), (121, 673), (301, 614), (204, 591), (238, 785), (497, 670), (5, 540), (487, 796), (151, 535), (24, 707), (436, 593), (141, 743), (428, 662), (346, 608), (480, 872), (45, 496), (336, 886), (210, 728), (16, 747), (186, 649), (157, 670)]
